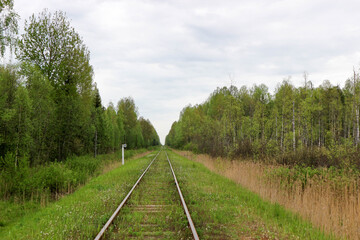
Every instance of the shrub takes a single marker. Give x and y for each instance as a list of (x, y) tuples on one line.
[(84, 163), (55, 177), (12, 174), (191, 147)]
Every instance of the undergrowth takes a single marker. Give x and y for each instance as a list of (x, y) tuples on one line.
[(79, 215), (222, 209), (26, 189)]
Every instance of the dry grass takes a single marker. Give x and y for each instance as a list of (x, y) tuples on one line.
[(328, 204), (117, 164)]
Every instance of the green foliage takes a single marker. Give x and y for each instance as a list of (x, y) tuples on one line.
[(13, 172), (92, 203), (289, 176), (149, 133), (52, 44), (84, 166), (215, 201), (51, 112), (137, 133), (21, 181), (55, 177), (42, 115), (23, 126), (8, 84), (212, 200), (53, 47), (305, 125), (8, 25)]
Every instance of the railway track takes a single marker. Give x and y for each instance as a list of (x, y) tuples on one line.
[(153, 209)]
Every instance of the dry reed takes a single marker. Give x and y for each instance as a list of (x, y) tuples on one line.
[(333, 207), (118, 163)]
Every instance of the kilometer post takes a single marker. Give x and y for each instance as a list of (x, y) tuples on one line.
[(122, 148)]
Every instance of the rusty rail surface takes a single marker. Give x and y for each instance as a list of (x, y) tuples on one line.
[(191, 224), (111, 219)]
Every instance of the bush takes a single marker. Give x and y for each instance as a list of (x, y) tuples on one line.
[(316, 157), (191, 147), (55, 177), (84, 166), (244, 148), (13, 172)]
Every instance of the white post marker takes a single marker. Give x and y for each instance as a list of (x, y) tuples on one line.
[(122, 148)]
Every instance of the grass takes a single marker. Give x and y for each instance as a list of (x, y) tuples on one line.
[(222, 209), (328, 197), (154, 208), (53, 178), (81, 214), (46, 184), (11, 212)]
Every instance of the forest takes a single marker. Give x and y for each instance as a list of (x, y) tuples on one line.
[(307, 125), (50, 106)]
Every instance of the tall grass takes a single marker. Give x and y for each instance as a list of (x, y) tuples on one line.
[(54, 179), (79, 215), (329, 198), (29, 189), (221, 209)]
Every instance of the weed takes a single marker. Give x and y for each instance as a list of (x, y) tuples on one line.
[(257, 215), (43, 185)]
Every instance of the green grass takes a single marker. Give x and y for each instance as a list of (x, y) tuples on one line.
[(288, 176), (81, 214), (222, 209), (45, 184), (53, 178), (154, 209), (10, 211)]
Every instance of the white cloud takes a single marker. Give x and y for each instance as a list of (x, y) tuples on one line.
[(167, 54)]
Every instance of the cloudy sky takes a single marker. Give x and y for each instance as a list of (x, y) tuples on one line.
[(167, 54)]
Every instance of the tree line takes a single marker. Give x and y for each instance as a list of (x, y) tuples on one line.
[(313, 126), (50, 107)]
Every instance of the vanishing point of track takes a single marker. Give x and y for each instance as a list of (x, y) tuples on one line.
[(154, 208)]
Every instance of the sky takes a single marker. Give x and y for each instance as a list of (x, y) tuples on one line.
[(167, 54)]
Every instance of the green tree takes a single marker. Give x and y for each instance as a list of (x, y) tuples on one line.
[(113, 131), (53, 46), (50, 43), (42, 115), (99, 135), (148, 132), (23, 126), (9, 82), (8, 25), (132, 130)]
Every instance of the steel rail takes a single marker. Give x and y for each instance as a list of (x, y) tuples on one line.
[(191, 224), (107, 224)]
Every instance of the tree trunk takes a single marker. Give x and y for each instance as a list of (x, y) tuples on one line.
[(319, 132), (95, 143), (293, 125), (276, 130), (355, 112), (357, 126), (18, 140), (312, 132), (282, 133)]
